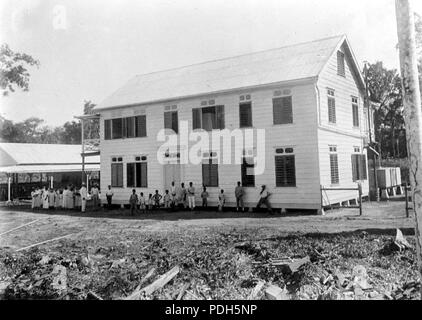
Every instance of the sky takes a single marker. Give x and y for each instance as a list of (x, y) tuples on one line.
[(90, 48)]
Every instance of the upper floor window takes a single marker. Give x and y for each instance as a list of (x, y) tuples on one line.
[(282, 110), (245, 114), (355, 111), (208, 118), (129, 127), (331, 106), (341, 69), (171, 121)]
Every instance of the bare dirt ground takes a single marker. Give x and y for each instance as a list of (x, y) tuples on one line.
[(221, 255)]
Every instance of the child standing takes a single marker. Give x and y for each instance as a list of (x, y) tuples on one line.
[(150, 202), (157, 197), (167, 200), (133, 201), (204, 196), (221, 200), (142, 204)]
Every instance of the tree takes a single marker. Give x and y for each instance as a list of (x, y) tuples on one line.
[(71, 133), (91, 126), (13, 69), (384, 87)]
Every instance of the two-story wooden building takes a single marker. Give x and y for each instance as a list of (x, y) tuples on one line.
[(308, 97)]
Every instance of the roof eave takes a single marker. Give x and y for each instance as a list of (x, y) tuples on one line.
[(273, 84)]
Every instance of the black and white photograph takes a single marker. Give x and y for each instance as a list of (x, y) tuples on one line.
[(210, 150)]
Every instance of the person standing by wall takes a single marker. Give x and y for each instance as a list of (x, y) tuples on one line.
[(45, 202), (239, 192), (221, 200), (109, 196), (167, 200), (133, 201), (191, 196), (95, 192), (204, 196), (142, 203), (83, 194)]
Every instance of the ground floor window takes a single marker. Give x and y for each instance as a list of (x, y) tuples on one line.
[(285, 168), (210, 170), (117, 172), (136, 173), (248, 176), (359, 170), (334, 165)]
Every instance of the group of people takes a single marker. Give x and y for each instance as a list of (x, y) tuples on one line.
[(65, 198), (182, 197)]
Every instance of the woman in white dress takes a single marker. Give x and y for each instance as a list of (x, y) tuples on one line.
[(38, 200), (33, 194), (70, 198), (45, 202)]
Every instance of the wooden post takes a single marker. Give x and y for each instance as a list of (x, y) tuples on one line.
[(360, 198), (407, 201), (412, 110), (83, 150), (9, 182)]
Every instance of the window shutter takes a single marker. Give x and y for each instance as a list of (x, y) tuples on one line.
[(206, 174), (144, 175), (334, 169), (196, 118), (113, 175), (130, 174), (175, 122), (214, 175), (355, 168), (332, 110), (141, 126), (107, 129), (117, 127), (245, 115), (362, 167), (120, 174), (220, 117), (285, 171), (124, 128), (130, 127), (168, 120), (282, 110), (355, 110)]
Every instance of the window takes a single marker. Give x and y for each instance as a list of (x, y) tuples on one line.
[(208, 118), (282, 110), (117, 128), (171, 121), (331, 106), (341, 64), (210, 171), (359, 167), (130, 127), (137, 173), (334, 165), (247, 167), (285, 169), (141, 126), (355, 111), (245, 114), (117, 172), (107, 129)]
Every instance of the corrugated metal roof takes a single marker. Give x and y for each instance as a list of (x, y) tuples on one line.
[(294, 62), (37, 154), (49, 168)]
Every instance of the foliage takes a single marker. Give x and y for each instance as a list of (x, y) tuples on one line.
[(13, 69), (33, 130), (384, 88)]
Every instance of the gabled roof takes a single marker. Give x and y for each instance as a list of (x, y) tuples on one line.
[(290, 63), (41, 154)]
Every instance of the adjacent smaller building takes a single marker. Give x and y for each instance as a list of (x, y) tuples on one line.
[(29, 165)]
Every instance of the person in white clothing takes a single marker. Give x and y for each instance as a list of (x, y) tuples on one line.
[(263, 199), (84, 194), (191, 196), (45, 202)]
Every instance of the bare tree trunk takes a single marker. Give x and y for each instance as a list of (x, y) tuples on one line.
[(412, 110)]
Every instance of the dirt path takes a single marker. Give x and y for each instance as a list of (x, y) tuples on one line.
[(105, 225)]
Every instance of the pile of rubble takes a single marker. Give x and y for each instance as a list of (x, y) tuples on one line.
[(217, 266)]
